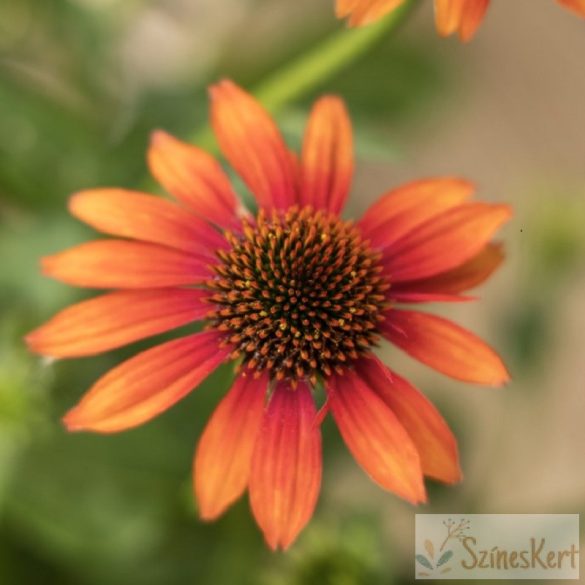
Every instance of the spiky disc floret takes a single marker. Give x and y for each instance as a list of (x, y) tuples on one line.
[(298, 294)]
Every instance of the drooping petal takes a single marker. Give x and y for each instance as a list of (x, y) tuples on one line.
[(444, 346), (465, 277), (428, 430), (115, 319), (375, 437), (144, 217), (403, 209), (444, 242), (327, 156), (462, 16), (363, 12), (252, 143), (193, 177), (224, 454), (286, 465), (122, 264), (578, 6), (147, 384)]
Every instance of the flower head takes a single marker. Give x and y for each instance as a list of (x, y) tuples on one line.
[(296, 296), (300, 294), (461, 17)]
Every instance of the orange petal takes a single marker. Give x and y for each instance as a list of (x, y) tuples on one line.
[(578, 6), (375, 437), (286, 465), (116, 319), (463, 16), (344, 8), (444, 242), (193, 177), (144, 217), (224, 454), (327, 157), (428, 430), (403, 209), (444, 346), (365, 12), (467, 276), (122, 264), (253, 145), (147, 384)]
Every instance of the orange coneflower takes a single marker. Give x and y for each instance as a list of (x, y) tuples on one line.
[(297, 296), (452, 16)]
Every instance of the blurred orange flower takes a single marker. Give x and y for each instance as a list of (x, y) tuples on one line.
[(452, 16), (296, 295)]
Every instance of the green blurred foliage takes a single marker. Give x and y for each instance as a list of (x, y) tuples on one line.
[(554, 239)]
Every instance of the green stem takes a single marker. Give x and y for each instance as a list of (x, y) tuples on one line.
[(326, 60), (318, 65)]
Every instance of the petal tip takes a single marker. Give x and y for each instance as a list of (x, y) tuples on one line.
[(466, 37), (285, 544), (419, 498), (31, 340), (71, 421), (51, 266), (36, 342), (220, 87), (157, 137), (271, 543), (47, 264), (500, 376), (503, 379), (506, 210), (459, 477), (77, 202), (208, 514), (451, 476), (212, 92), (208, 509), (279, 543), (331, 100)]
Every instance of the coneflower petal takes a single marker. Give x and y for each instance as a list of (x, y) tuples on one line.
[(193, 177), (403, 209), (123, 264), (444, 346), (428, 430), (253, 145), (368, 11), (224, 454), (327, 156), (138, 216), (444, 242), (116, 319), (147, 384), (462, 16), (344, 7), (465, 277), (375, 437), (286, 465), (578, 6)]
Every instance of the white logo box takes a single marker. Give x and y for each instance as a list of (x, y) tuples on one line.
[(497, 546)]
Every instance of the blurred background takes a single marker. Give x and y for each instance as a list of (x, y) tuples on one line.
[(82, 84)]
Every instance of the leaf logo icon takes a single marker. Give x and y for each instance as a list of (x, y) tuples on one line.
[(444, 557), (424, 562)]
